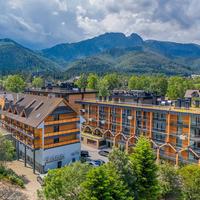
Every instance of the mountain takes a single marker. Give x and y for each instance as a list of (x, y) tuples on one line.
[(127, 61), (68, 52), (110, 52), (128, 54), (15, 58)]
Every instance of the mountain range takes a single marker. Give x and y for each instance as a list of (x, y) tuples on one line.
[(110, 52)]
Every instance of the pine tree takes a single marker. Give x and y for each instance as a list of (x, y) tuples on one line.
[(145, 170)]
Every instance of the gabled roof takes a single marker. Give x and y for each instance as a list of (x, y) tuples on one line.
[(31, 109)]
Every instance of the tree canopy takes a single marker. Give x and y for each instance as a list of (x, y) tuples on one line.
[(38, 82), (15, 83)]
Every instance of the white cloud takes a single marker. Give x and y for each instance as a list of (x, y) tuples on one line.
[(41, 23)]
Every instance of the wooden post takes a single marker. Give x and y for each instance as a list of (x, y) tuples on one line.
[(121, 119), (24, 155), (34, 161), (168, 126), (189, 131), (158, 155), (176, 159), (109, 114), (150, 127)]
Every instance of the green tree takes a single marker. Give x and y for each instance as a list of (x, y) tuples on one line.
[(177, 87), (191, 182), (92, 81), (158, 85), (38, 82), (112, 80), (104, 183), (7, 150), (15, 83), (103, 88), (132, 83), (65, 183), (82, 82), (170, 181), (145, 170), (120, 162)]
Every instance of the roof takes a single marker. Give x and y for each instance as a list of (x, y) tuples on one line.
[(60, 91), (30, 109), (192, 93), (168, 108)]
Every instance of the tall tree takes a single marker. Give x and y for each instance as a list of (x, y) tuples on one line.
[(103, 88), (104, 183), (145, 169), (7, 150), (177, 87), (120, 162), (158, 85), (38, 82), (112, 81), (170, 181), (191, 182), (15, 83), (82, 82), (65, 183), (92, 81)]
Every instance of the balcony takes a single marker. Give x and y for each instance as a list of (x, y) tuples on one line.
[(62, 121), (20, 130), (47, 146), (61, 132)]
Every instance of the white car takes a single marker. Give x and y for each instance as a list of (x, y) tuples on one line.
[(40, 178)]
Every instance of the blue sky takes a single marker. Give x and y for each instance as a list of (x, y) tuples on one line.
[(44, 23)]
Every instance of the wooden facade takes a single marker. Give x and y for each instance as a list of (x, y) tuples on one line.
[(174, 133), (40, 123)]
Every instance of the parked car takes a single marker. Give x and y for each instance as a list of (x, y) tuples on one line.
[(93, 163), (103, 153), (99, 162), (84, 154), (40, 178)]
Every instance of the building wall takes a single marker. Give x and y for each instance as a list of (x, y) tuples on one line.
[(174, 135), (49, 158)]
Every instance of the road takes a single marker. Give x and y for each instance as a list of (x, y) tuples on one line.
[(93, 153)]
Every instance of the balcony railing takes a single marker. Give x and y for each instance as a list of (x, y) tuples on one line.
[(16, 128), (61, 132), (46, 146), (61, 121)]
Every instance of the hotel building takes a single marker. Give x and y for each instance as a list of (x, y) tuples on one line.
[(46, 130), (174, 131)]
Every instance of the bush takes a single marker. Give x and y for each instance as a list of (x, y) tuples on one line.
[(10, 175)]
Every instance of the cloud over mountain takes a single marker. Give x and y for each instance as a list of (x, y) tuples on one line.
[(41, 23)]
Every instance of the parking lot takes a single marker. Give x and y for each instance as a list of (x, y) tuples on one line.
[(93, 153)]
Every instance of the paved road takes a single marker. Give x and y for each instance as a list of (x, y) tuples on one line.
[(94, 153)]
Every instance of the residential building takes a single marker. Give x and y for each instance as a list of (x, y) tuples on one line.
[(174, 131), (46, 130), (70, 95)]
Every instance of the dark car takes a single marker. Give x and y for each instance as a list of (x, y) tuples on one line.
[(99, 162), (103, 153), (84, 154)]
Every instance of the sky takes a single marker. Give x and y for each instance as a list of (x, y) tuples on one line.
[(43, 23)]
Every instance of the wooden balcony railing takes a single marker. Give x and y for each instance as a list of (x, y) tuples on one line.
[(62, 121), (61, 132), (46, 146)]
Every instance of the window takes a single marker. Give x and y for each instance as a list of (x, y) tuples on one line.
[(56, 128), (56, 140), (56, 117)]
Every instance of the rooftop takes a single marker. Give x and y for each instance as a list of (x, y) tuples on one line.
[(146, 106), (29, 109), (57, 90)]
